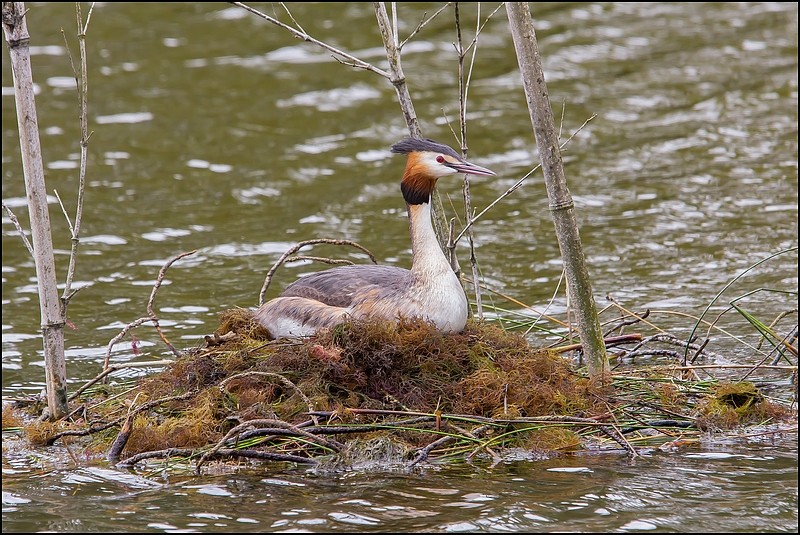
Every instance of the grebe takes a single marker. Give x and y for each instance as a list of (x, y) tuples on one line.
[(430, 290)]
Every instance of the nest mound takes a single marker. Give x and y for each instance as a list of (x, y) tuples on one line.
[(482, 370), (374, 366), (375, 386)]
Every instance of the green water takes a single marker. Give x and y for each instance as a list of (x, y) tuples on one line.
[(216, 131)]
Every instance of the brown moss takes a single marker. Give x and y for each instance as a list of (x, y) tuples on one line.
[(199, 424), (669, 395), (415, 366), (11, 419), (41, 432), (536, 382), (737, 403), (550, 439), (740, 396), (379, 364), (241, 322)]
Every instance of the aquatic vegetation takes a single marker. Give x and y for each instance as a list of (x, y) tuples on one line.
[(377, 393)]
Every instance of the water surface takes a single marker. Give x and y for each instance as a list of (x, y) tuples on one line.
[(215, 131)]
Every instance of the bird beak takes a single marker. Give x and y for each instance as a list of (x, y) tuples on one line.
[(472, 169)]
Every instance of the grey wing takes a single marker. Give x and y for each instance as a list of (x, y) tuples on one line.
[(341, 285)]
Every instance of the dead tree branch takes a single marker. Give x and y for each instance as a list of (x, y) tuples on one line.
[(286, 256), (151, 313)]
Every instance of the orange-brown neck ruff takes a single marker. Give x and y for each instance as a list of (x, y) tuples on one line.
[(417, 184)]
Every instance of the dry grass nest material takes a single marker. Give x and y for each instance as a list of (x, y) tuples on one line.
[(477, 391), (482, 371)]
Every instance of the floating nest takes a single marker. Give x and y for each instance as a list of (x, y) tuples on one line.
[(375, 393)]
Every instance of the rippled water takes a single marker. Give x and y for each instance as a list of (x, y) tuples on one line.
[(218, 132), (722, 489)]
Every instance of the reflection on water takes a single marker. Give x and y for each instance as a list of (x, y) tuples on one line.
[(240, 147)]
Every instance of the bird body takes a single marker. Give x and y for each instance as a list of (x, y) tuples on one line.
[(430, 290)]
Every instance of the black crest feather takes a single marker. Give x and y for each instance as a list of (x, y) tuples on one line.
[(409, 145)]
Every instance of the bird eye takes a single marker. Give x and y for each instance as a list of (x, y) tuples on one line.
[(440, 159)]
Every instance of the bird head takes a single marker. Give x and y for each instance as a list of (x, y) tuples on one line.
[(427, 162)]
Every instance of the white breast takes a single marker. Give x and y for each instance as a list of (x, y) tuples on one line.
[(440, 301)]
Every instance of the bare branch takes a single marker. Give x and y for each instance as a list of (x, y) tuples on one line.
[(64, 211), (305, 37), (422, 24), (82, 84), (396, 76), (285, 258), (151, 313), (480, 29), (519, 182), (15, 30), (19, 229), (114, 367), (283, 5)]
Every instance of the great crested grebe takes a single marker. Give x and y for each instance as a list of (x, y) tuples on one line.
[(430, 290)]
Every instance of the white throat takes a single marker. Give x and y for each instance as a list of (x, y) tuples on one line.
[(435, 288), (427, 258)]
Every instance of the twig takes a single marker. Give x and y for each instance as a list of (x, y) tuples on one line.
[(519, 182), (609, 341), (352, 60), (788, 340), (64, 211), (124, 434), (332, 261), (480, 29), (114, 367), (549, 304), (640, 317), (365, 428), (167, 453), (82, 84), (285, 8), (620, 439), (424, 453), (451, 248), (152, 315), (119, 337), (645, 352), (283, 380), (16, 223), (188, 453), (699, 350), (270, 423), (422, 24), (162, 272), (285, 256), (659, 408), (463, 90), (673, 340), (624, 323), (732, 366)]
